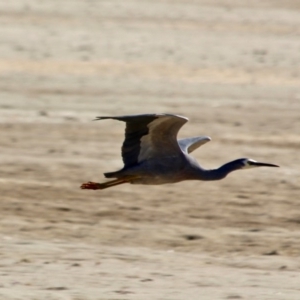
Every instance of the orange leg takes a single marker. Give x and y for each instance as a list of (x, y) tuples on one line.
[(101, 186)]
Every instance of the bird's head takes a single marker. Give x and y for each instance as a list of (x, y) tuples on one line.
[(248, 163)]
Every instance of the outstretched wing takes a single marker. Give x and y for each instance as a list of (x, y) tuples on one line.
[(149, 136), (188, 145)]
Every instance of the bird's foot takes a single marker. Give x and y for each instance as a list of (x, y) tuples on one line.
[(90, 186)]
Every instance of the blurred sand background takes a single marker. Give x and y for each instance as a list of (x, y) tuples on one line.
[(232, 67)]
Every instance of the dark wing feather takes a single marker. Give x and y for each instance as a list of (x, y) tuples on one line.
[(148, 136)]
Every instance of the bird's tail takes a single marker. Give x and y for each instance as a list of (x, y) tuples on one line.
[(112, 174)]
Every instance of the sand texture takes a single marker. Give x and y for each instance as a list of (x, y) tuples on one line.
[(232, 67)]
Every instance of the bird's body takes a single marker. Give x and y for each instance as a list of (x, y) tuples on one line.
[(160, 172), (152, 154)]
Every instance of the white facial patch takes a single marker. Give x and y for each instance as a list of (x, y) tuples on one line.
[(248, 165)]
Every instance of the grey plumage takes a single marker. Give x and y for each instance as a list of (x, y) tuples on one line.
[(152, 154)]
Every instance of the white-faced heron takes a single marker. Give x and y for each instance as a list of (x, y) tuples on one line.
[(152, 154)]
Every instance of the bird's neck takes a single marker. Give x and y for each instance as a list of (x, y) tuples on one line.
[(220, 173)]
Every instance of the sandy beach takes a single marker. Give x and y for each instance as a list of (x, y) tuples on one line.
[(232, 67)]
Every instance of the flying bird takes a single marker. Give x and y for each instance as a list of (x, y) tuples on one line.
[(153, 155)]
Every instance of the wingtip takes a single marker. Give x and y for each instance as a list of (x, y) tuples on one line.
[(206, 138)]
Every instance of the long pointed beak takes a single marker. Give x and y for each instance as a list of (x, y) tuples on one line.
[(259, 164)]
